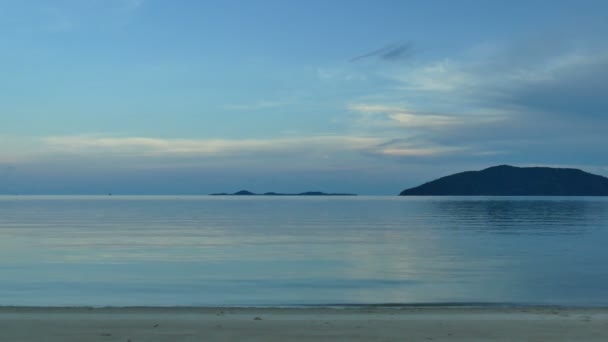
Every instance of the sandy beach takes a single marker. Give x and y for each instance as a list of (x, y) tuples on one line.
[(303, 324)]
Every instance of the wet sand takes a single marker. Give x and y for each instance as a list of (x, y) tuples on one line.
[(303, 324)]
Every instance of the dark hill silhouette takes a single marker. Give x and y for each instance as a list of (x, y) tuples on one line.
[(243, 193), (309, 193), (506, 180)]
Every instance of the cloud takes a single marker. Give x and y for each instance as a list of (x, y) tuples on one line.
[(312, 152), (517, 102), (157, 147), (378, 114), (392, 52), (571, 87), (567, 81), (403, 151), (441, 76)]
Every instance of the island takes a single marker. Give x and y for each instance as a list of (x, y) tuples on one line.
[(506, 180), (308, 193)]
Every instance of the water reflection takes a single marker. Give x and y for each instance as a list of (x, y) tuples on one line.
[(509, 216), (265, 251)]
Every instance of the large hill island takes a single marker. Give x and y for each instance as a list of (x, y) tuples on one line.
[(506, 180), (308, 193)]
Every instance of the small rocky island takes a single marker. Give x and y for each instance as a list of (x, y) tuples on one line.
[(308, 193), (506, 180)]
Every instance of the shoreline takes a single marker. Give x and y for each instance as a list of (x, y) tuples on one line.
[(421, 323), (329, 306)]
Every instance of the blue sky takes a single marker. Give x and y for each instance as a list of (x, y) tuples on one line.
[(194, 97)]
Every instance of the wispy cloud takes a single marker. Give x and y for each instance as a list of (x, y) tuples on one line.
[(150, 147), (441, 76), (418, 151), (378, 114), (392, 52), (310, 151), (501, 101)]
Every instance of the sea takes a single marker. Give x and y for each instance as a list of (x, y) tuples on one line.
[(302, 251)]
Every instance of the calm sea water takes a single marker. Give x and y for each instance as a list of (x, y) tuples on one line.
[(208, 251)]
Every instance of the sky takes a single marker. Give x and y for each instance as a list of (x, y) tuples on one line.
[(370, 97)]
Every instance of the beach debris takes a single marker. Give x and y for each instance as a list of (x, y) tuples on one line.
[(257, 318)]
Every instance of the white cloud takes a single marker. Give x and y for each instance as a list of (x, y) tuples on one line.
[(313, 151), (498, 69), (418, 152), (442, 76), (413, 120), (150, 147), (385, 115), (493, 102), (374, 108)]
